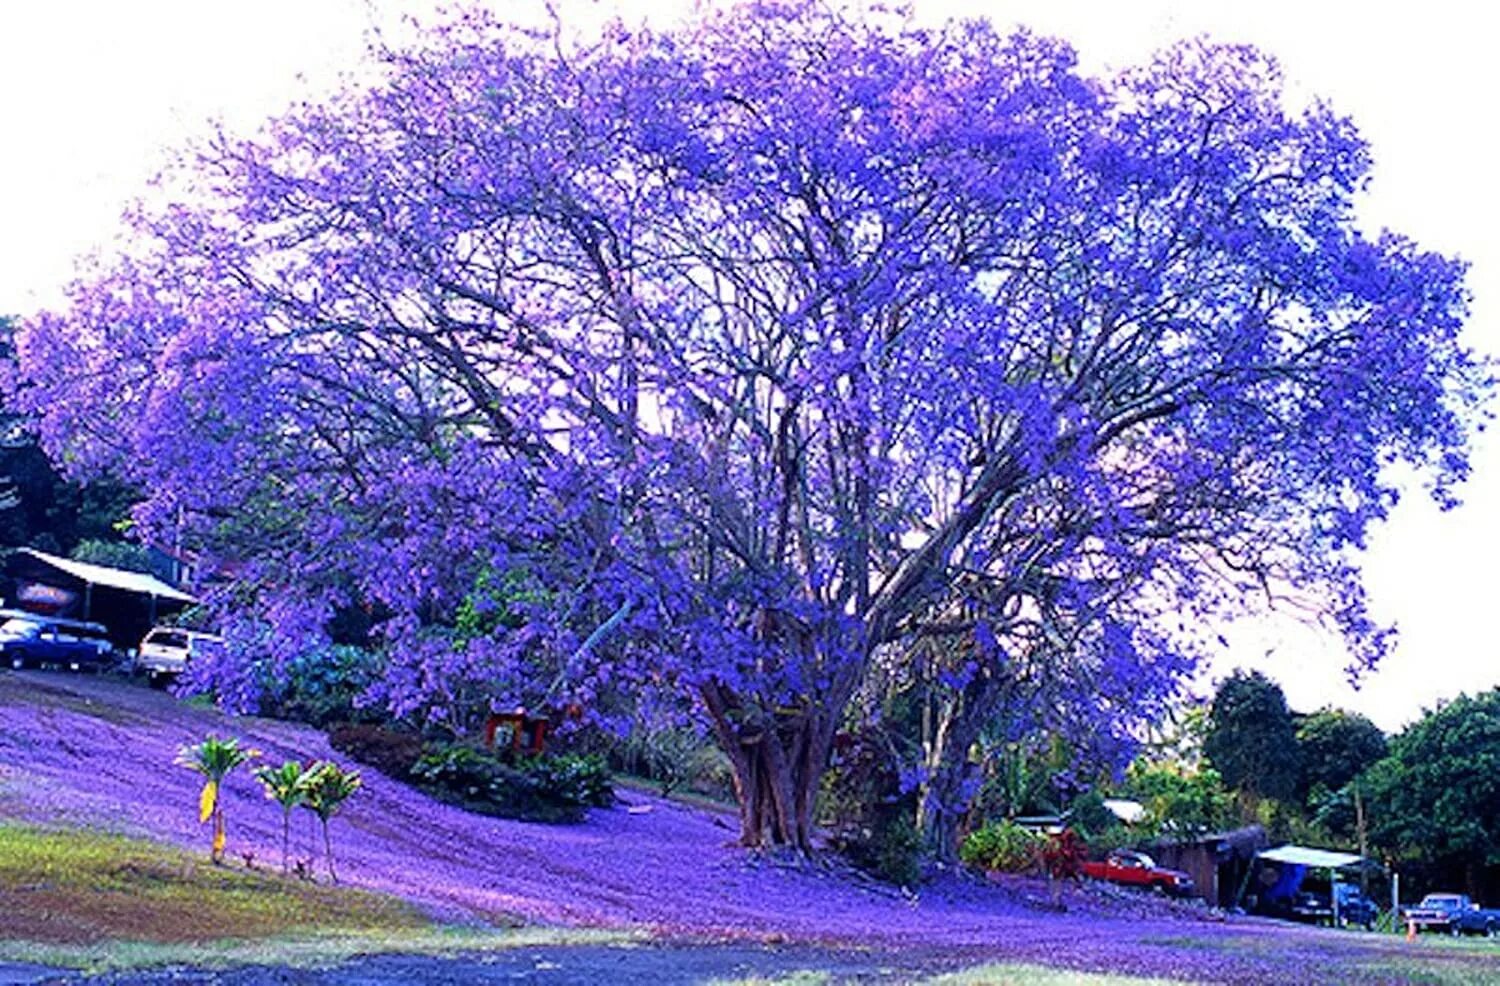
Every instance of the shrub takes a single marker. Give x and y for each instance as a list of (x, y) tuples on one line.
[(891, 851), (393, 752), (1003, 846), (581, 779), (324, 686), (542, 789), (1062, 855), (677, 758)]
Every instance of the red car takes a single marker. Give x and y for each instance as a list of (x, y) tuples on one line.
[(1138, 870)]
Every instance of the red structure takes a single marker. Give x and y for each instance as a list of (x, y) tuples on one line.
[(528, 735)]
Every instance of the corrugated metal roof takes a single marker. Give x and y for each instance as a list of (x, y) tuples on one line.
[(1305, 856), (116, 578)]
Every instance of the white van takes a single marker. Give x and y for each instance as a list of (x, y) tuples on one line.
[(167, 650)]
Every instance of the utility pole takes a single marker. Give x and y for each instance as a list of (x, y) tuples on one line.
[(1364, 847)]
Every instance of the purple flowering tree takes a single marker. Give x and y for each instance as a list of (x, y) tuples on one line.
[(763, 346)]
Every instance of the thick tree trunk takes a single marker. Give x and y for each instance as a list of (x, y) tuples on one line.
[(951, 724), (778, 762), (946, 789)]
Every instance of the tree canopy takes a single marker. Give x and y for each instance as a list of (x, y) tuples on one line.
[(762, 346), (1252, 738), (1335, 746), (1437, 796)]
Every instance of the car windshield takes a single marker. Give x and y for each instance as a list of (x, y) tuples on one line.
[(18, 629), (167, 638), (1441, 900)]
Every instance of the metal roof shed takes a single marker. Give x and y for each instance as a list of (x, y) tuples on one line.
[(1307, 856), (128, 603)]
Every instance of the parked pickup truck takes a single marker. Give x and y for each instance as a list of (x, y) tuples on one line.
[(1354, 907), (1455, 914), (1138, 870)]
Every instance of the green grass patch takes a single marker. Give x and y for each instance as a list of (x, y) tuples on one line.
[(1016, 974), (683, 796), (790, 979), (990, 974), (1436, 969), (78, 887), (299, 951), (100, 902)]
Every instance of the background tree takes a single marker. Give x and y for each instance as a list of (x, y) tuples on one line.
[(1436, 798), (1180, 802), (1335, 747), (1252, 740), (39, 507), (769, 342)]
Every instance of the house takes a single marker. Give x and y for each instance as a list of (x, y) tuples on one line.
[(1218, 862)]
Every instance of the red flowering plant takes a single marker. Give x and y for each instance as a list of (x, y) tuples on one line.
[(1062, 857)]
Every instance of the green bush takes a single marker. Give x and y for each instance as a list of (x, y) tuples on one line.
[(1003, 846), (678, 759), (574, 779), (540, 789), (891, 851), (323, 686)]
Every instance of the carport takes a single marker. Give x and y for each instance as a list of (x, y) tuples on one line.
[(127, 603), (1293, 862)]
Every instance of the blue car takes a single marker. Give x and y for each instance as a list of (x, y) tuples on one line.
[(30, 640)]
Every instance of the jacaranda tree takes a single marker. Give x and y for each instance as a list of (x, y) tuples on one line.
[(762, 346)]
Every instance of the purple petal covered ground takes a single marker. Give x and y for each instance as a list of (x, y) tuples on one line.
[(93, 751)]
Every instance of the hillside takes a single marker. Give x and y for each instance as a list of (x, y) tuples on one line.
[(94, 753)]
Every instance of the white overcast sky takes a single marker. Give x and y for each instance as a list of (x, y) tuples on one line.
[(94, 94)]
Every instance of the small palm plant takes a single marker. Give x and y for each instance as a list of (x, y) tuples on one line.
[(284, 785), (214, 758), (325, 788)]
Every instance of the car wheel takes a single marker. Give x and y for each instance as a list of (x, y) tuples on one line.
[(1455, 930), (19, 661), (1492, 930)]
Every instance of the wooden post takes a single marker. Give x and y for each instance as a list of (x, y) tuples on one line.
[(1364, 848)]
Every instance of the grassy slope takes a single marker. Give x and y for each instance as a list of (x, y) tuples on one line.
[(79, 887), (94, 900)]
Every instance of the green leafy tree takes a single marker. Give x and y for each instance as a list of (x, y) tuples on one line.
[(115, 554), (1180, 800), (325, 788), (38, 507), (1335, 747), (1252, 740), (284, 785), (214, 758), (1436, 797)]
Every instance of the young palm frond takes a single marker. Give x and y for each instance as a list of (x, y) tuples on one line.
[(214, 758), (325, 788), (284, 785)]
